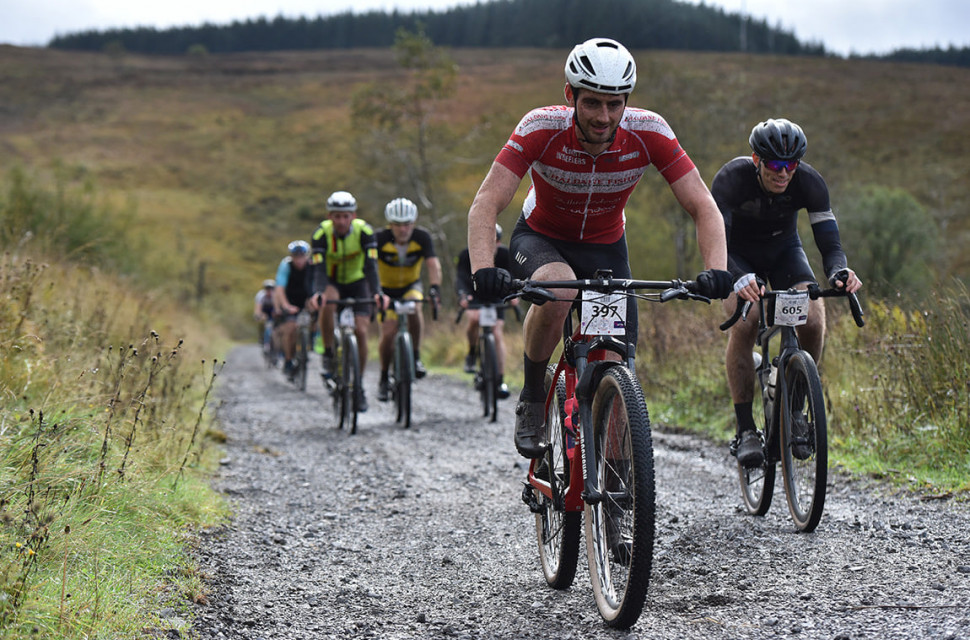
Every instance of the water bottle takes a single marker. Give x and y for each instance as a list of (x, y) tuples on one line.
[(772, 378)]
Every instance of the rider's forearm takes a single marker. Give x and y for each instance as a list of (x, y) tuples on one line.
[(493, 196), (434, 272)]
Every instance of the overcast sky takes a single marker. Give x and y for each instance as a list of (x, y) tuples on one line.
[(843, 26)]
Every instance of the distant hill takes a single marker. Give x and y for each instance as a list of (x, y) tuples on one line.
[(639, 24)]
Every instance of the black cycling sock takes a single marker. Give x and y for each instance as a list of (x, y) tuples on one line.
[(742, 411), (384, 376), (533, 387)]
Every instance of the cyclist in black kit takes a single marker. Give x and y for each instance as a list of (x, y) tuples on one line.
[(465, 291), (760, 197)]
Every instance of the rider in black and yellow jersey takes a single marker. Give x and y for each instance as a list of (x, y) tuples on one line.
[(402, 249), (344, 265)]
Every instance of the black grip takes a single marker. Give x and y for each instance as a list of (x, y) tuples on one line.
[(856, 310)]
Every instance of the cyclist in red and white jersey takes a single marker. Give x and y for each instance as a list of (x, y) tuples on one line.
[(584, 160)]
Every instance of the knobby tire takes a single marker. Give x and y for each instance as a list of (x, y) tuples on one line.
[(403, 377), (489, 376), (557, 530), (620, 561)]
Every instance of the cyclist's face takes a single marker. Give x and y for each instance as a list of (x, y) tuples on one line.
[(299, 259), (341, 221), (402, 231), (598, 114), (773, 181)]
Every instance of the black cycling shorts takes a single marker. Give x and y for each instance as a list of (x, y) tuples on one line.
[(530, 250), (782, 265), (359, 290)]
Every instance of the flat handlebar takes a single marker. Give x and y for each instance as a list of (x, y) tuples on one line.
[(538, 291)]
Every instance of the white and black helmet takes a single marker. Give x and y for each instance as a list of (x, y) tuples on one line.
[(341, 201), (401, 211), (601, 65)]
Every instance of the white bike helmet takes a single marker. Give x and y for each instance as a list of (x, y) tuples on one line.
[(401, 211), (298, 247), (341, 201), (601, 65)]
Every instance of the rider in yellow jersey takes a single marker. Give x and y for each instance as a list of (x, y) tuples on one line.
[(344, 265), (402, 249)]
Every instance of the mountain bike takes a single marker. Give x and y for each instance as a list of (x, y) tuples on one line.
[(345, 383), (486, 372), (792, 425), (402, 374), (599, 458)]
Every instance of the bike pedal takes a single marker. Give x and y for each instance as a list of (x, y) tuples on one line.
[(529, 498)]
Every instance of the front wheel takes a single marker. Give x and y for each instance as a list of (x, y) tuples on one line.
[(403, 375), (488, 376), (351, 382), (557, 529), (620, 526), (804, 443), (303, 357)]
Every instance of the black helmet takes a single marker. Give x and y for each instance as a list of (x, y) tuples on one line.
[(778, 139)]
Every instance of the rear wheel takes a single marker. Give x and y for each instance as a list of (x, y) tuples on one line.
[(620, 526), (489, 376), (758, 483), (804, 445), (403, 375), (557, 530)]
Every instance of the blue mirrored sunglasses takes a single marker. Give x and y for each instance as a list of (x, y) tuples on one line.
[(778, 165)]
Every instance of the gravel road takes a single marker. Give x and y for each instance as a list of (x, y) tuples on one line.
[(421, 533)]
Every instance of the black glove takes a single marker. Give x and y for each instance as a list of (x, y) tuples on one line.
[(840, 276), (715, 283), (492, 284), (434, 292)]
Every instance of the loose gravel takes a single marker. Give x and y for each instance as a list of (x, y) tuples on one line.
[(421, 533)]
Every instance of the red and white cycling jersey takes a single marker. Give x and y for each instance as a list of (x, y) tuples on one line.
[(575, 195)]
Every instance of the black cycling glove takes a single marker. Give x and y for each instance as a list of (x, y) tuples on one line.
[(492, 284), (715, 283), (434, 292)]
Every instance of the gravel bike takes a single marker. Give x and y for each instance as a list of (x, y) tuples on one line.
[(792, 425), (486, 360), (345, 383), (402, 373), (599, 457)]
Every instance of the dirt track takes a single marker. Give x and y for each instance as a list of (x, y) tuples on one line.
[(422, 534)]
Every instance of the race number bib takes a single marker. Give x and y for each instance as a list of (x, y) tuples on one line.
[(487, 317), (791, 309), (347, 317), (603, 314)]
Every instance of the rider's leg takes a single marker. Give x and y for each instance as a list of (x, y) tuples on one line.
[(386, 347), (740, 364), (542, 330), (811, 335), (498, 332), (360, 328), (289, 338), (327, 318)]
